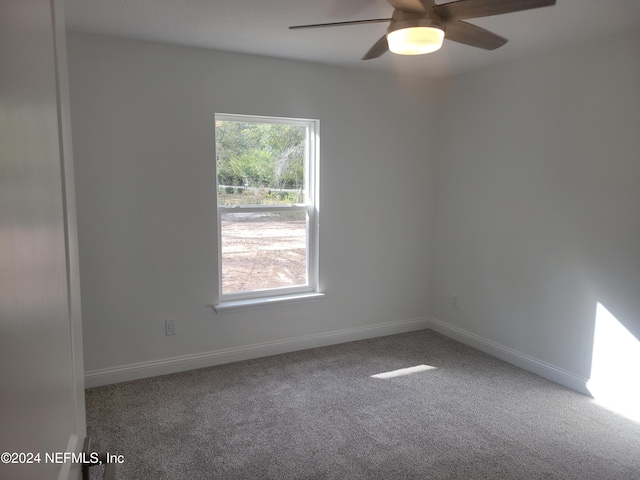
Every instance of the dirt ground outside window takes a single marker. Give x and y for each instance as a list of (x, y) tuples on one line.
[(263, 251)]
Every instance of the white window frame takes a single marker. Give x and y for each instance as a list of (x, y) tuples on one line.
[(274, 296)]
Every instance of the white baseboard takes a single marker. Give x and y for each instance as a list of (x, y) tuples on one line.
[(136, 371), (546, 370)]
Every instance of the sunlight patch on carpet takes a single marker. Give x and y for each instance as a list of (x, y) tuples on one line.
[(403, 371)]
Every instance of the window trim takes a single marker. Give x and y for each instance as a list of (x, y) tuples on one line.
[(276, 296)]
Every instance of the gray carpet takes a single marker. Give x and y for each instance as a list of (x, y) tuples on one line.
[(318, 414)]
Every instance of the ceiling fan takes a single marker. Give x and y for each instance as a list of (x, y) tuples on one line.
[(419, 26)]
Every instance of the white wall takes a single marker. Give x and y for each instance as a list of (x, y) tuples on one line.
[(538, 204), (143, 123)]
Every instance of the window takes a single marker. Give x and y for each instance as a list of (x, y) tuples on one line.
[(266, 170)]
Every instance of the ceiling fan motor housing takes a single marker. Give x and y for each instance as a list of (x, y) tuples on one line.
[(402, 20)]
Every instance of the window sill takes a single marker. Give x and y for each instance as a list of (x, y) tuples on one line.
[(230, 306)]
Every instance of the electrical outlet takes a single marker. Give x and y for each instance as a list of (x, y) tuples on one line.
[(454, 302), (170, 327)]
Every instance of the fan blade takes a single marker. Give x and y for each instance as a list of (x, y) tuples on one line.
[(380, 47), (463, 32), (339, 24), (463, 9), (417, 6)]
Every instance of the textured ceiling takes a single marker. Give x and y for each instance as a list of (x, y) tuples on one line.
[(260, 27)]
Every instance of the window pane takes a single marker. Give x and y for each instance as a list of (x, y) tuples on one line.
[(260, 163), (263, 250)]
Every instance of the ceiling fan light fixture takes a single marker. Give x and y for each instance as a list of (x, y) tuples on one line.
[(415, 37)]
